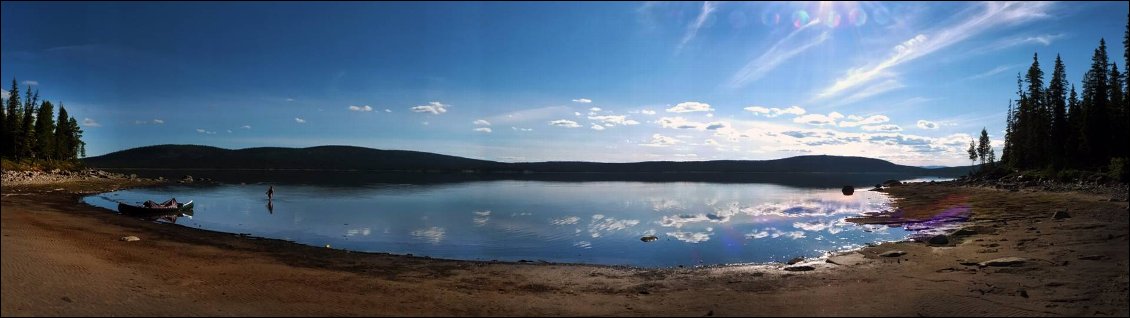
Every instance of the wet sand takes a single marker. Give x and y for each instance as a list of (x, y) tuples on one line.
[(63, 258)]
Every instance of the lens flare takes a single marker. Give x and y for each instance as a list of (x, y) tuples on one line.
[(800, 18), (881, 15), (857, 17), (770, 18), (833, 19)]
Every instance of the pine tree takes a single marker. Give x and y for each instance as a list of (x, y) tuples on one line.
[(1057, 101), (44, 131), (984, 146), (1031, 117), (1010, 117), (13, 120), (1118, 116)]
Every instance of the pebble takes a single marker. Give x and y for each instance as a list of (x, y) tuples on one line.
[(130, 238)]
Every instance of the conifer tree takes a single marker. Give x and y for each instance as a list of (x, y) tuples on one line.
[(1057, 101), (44, 131), (984, 147), (13, 120)]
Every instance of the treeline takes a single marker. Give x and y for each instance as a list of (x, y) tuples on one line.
[(1052, 126), (31, 130)]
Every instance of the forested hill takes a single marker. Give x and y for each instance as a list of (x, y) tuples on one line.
[(367, 159)]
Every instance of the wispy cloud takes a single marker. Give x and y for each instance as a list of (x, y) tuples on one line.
[(614, 120), (597, 127), (564, 123), (90, 123), (687, 107), (779, 53), (365, 108), (994, 71), (692, 29), (32, 83), (206, 132), (435, 108), (5, 94), (483, 129), (887, 128), (856, 120), (245, 127), (481, 122), (299, 120), (819, 119), (582, 100), (984, 17), (158, 121)]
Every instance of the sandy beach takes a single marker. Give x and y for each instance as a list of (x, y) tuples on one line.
[(63, 258)]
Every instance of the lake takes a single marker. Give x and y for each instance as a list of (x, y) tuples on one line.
[(697, 223)]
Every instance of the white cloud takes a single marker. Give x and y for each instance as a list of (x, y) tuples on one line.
[(32, 83), (774, 112), (90, 123), (687, 107), (229, 131), (564, 123), (158, 121), (647, 112), (388, 110), (520, 129), (5, 94), (891, 128), (690, 237), (597, 127), (483, 129), (925, 124), (871, 120), (614, 120), (683, 123), (206, 132), (299, 120), (993, 16), (245, 127), (818, 119), (658, 140), (594, 109), (365, 108), (582, 100), (435, 108), (290, 99), (692, 29), (482, 122)]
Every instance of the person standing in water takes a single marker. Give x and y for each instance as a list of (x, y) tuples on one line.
[(270, 192)]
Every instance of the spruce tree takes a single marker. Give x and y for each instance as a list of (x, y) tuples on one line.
[(26, 136), (1096, 140), (972, 153), (1071, 149), (44, 131), (1057, 100), (1119, 117), (984, 147), (62, 139)]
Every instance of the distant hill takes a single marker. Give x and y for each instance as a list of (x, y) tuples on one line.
[(367, 159)]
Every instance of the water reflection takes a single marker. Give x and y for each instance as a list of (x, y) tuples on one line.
[(591, 222)]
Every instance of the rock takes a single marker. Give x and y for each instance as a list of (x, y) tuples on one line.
[(892, 253), (851, 259), (130, 238), (939, 239), (649, 238), (891, 182), (799, 268), (848, 190), (795, 260), (1004, 261), (186, 179), (1062, 214), (965, 231)]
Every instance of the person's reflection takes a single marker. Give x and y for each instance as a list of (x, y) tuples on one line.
[(270, 207)]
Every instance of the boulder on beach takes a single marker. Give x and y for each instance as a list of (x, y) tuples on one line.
[(1004, 261), (895, 253), (1061, 214), (848, 190), (649, 238), (799, 268), (939, 239)]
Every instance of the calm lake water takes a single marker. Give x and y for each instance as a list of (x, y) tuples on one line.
[(573, 222)]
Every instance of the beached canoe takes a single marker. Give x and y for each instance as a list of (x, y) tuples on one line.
[(134, 209)]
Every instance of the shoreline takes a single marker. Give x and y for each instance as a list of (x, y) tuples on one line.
[(307, 280)]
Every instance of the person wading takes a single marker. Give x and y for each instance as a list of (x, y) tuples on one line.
[(270, 192)]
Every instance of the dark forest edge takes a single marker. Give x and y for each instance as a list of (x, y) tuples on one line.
[(32, 138), (1053, 133)]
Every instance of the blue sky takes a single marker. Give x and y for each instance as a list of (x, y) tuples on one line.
[(616, 82)]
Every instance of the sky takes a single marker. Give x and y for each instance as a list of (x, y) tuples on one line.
[(909, 82)]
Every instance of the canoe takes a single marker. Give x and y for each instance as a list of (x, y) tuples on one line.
[(133, 209)]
